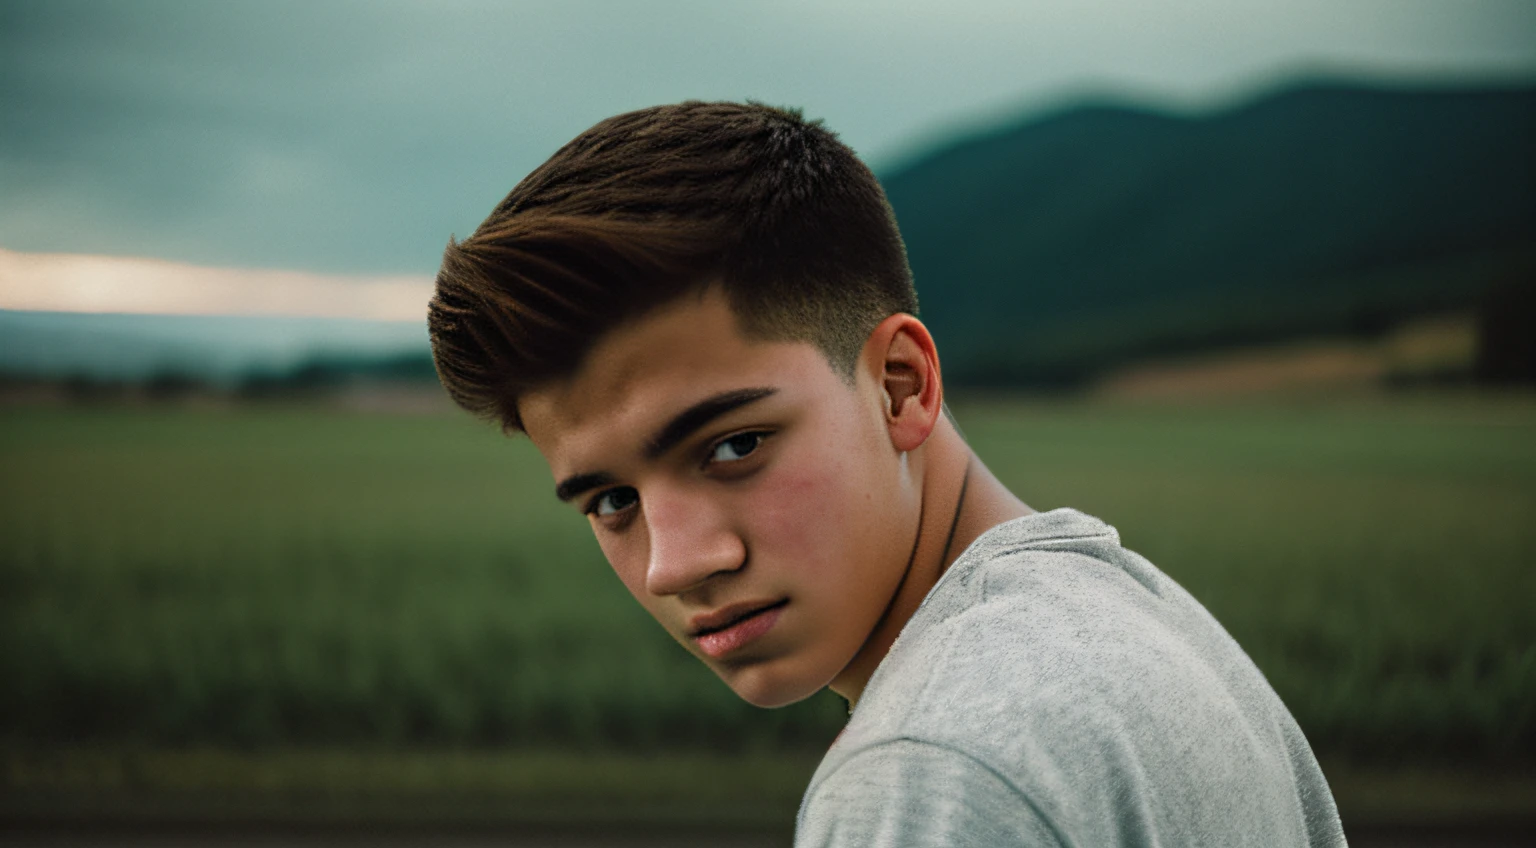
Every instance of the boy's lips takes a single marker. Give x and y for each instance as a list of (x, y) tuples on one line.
[(729, 628)]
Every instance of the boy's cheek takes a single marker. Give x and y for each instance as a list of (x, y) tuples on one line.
[(804, 504)]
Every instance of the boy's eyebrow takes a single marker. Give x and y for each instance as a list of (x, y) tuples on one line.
[(679, 428), (570, 487), (686, 422)]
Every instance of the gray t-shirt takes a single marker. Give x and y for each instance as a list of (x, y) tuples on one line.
[(1057, 689)]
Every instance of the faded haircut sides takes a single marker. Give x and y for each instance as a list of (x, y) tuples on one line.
[(649, 206)]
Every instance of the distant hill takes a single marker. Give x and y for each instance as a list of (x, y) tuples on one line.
[(1049, 251), (1057, 249)]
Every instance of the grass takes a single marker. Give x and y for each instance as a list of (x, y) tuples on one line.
[(297, 576), (271, 579)]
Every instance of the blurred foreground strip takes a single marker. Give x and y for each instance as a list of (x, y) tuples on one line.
[(345, 787), (750, 793)]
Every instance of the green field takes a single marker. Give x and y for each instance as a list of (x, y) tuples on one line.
[(306, 578)]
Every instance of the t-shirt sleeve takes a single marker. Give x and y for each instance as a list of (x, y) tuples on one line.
[(910, 793)]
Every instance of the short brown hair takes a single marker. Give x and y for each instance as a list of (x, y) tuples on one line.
[(648, 206)]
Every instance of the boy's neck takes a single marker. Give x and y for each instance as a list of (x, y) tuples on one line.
[(960, 501)]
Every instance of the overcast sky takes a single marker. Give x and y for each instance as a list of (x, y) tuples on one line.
[(354, 137)]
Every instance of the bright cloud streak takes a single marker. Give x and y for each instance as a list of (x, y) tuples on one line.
[(64, 282)]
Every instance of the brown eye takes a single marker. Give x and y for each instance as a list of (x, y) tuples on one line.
[(736, 447), (614, 501)]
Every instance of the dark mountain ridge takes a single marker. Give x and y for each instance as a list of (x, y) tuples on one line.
[(1053, 250), (1049, 251)]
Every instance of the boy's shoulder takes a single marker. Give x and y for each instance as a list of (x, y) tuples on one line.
[(1055, 683)]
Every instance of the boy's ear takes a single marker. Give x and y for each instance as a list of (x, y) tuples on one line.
[(906, 364)]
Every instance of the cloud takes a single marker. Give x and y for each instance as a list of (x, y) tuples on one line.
[(357, 136), (62, 282)]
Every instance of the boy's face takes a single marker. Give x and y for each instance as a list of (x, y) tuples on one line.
[(748, 497)]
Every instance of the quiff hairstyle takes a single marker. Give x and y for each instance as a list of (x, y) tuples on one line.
[(647, 207)]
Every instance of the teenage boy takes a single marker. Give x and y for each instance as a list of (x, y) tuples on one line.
[(702, 316)]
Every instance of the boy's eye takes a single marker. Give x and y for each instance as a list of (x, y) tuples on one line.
[(614, 501), (736, 447)]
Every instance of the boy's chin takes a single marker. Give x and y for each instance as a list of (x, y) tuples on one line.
[(761, 688)]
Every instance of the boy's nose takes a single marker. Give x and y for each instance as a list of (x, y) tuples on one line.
[(689, 542)]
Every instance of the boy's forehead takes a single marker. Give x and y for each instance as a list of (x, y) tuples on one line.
[(640, 363), (653, 367)]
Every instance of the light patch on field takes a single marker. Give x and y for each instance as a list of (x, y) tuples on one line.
[(65, 282), (1434, 344), (1439, 345)]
